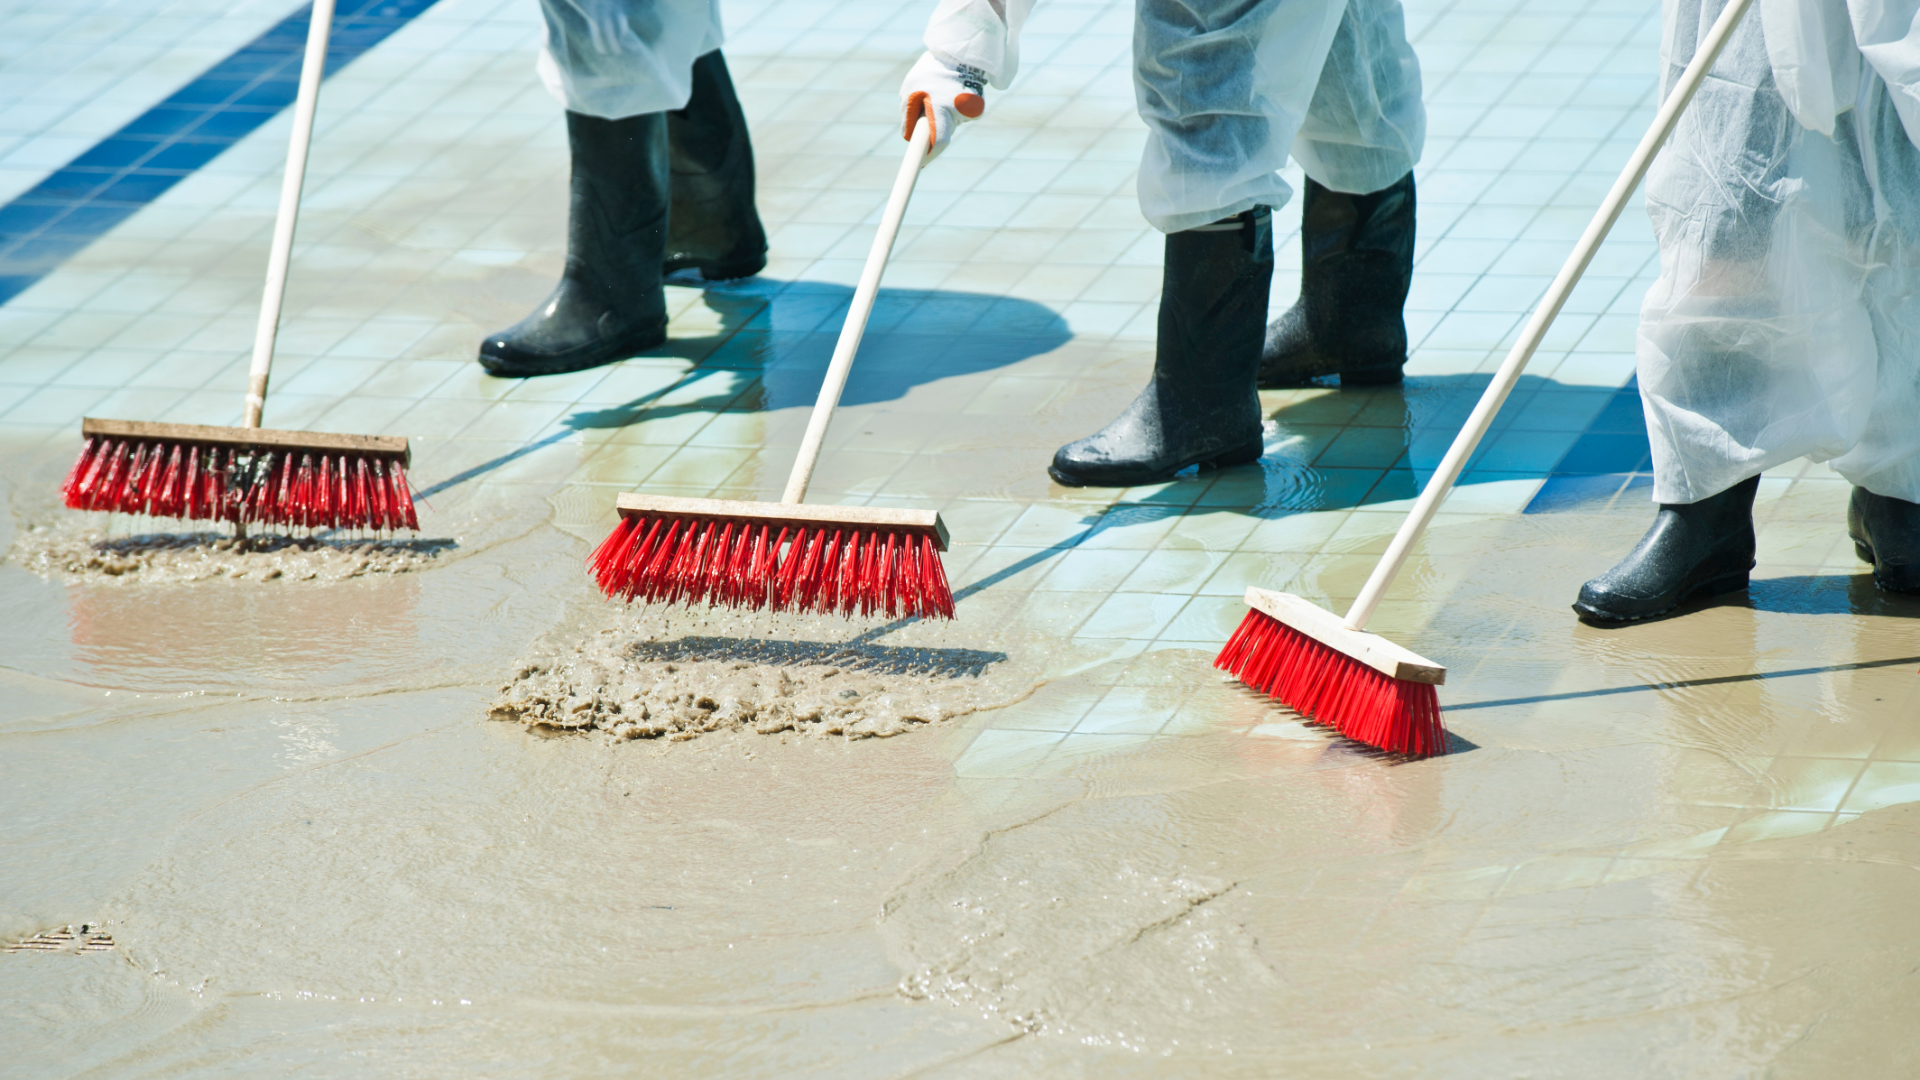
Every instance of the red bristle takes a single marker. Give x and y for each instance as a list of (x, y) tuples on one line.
[(83, 494), (650, 566), (191, 506), (106, 494), (631, 570), (340, 480), (168, 500), (298, 504), (824, 569), (152, 479), (326, 513), (606, 558), (70, 487), (1332, 688), (280, 507), (125, 495), (933, 577), (403, 498), (380, 516)]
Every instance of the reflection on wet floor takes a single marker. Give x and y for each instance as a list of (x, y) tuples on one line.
[(1679, 848)]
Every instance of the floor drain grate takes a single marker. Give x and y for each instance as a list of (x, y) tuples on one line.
[(67, 939)]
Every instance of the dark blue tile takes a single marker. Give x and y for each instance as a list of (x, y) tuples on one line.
[(165, 120), (40, 254), (250, 64), (187, 154), (208, 90), (12, 285), (1622, 415), (116, 152), (113, 179), (1604, 452), (22, 216), (88, 220), (232, 123), (140, 186), (275, 93), (71, 184)]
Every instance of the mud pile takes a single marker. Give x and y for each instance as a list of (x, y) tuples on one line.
[(633, 684), (79, 553)]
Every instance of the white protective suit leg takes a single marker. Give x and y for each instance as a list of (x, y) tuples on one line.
[(619, 58), (1224, 86), (1885, 459), (1366, 125), (1756, 344)]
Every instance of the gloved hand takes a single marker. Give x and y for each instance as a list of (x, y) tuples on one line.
[(946, 94)]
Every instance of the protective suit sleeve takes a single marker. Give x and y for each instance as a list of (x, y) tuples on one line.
[(1888, 33), (979, 34)]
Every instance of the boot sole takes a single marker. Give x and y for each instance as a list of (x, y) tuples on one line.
[(730, 272), (1240, 455), (1391, 376), (1865, 554), (1706, 590), (626, 347)]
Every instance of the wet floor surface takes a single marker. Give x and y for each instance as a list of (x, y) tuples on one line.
[(1684, 848)]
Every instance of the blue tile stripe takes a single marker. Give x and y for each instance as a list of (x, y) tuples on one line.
[(164, 145), (1610, 458)]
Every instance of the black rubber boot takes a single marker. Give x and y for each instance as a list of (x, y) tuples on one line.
[(1201, 407), (609, 304), (1356, 263), (1697, 549), (715, 228), (1886, 533)]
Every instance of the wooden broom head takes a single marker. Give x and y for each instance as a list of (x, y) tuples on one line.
[(199, 472), (844, 560), (1360, 684)]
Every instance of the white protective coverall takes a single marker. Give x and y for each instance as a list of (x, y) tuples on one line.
[(1228, 87), (1786, 319), (619, 58)]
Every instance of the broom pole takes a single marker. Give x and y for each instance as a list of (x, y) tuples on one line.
[(312, 66), (857, 314), (1509, 373)]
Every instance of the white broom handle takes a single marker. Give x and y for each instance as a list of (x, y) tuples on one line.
[(1503, 381), (312, 66), (858, 312)]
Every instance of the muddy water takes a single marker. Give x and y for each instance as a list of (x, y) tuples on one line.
[(77, 550), (680, 674), (315, 852)]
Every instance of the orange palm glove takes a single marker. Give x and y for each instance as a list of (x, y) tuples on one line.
[(946, 94)]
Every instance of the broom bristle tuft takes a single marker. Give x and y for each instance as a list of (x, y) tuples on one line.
[(1329, 687), (826, 569), (308, 489)]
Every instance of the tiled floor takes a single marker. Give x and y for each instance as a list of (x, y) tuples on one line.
[(1017, 313)]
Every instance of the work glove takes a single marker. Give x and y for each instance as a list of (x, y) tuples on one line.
[(946, 94)]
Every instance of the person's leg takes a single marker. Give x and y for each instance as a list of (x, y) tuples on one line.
[(1883, 516), (1200, 407), (610, 302), (1222, 88), (619, 67), (715, 226), (1754, 347), (1363, 133)]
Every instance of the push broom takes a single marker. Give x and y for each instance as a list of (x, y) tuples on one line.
[(250, 474), (1332, 670), (791, 555)]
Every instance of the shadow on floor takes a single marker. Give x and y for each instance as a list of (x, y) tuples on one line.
[(851, 656), (776, 338)]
